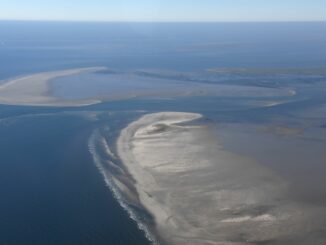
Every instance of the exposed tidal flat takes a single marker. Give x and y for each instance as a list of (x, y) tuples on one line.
[(196, 179), (193, 178), (255, 159), (35, 90), (94, 85), (199, 193)]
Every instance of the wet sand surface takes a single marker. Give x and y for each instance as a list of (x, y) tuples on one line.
[(34, 89), (87, 86), (255, 163), (200, 193)]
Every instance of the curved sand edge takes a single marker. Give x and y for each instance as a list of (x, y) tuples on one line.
[(33, 90), (200, 194)]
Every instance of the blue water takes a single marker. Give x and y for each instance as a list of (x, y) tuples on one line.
[(51, 192), (27, 47)]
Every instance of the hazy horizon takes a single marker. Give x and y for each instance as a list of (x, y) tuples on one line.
[(159, 21), (165, 11)]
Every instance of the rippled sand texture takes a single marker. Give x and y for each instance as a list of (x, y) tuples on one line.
[(34, 89), (199, 193)]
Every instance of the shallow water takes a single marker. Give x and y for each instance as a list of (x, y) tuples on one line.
[(52, 192)]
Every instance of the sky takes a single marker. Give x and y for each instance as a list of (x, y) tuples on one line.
[(164, 10)]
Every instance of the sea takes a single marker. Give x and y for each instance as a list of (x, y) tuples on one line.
[(52, 191)]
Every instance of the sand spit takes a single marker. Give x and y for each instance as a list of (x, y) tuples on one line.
[(34, 89), (198, 193)]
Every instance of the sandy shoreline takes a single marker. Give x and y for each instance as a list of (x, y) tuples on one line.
[(199, 193), (67, 88), (33, 90)]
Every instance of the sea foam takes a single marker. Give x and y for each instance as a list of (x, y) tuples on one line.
[(93, 142)]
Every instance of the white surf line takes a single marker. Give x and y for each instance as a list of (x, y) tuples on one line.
[(110, 183), (198, 192)]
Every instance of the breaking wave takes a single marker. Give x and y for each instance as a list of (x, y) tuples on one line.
[(93, 142)]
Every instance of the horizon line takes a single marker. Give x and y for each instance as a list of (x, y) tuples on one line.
[(163, 21)]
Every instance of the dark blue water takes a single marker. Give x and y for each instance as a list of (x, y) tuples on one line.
[(27, 47), (51, 191)]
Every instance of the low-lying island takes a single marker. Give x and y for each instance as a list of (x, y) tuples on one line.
[(198, 193)]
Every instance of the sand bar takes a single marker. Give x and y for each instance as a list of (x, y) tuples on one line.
[(198, 193), (34, 89)]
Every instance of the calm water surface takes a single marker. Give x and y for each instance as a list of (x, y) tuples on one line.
[(51, 191)]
